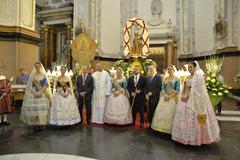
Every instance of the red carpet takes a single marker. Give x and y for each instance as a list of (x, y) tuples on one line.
[(137, 123)]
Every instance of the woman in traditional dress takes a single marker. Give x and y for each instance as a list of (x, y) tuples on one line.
[(164, 114), (118, 109), (5, 103), (195, 122), (64, 110), (36, 102)]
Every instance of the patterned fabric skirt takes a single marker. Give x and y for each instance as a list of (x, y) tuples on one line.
[(164, 115), (118, 110), (64, 111), (35, 111), (187, 130), (5, 104)]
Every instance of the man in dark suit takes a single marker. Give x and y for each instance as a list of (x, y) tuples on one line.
[(85, 90), (153, 89), (136, 86)]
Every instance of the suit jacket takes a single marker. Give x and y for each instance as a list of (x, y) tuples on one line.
[(154, 86), (87, 87), (140, 86)]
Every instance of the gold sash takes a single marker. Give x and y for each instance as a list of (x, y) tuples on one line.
[(36, 83), (171, 91), (201, 119)]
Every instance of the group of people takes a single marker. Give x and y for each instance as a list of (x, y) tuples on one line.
[(40, 107), (184, 111)]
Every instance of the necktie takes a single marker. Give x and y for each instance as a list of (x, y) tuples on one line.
[(151, 78), (135, 80), (84, 78)]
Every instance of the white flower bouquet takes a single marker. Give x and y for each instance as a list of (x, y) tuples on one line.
[(216, 89)]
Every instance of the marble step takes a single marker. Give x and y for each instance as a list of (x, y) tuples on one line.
[(229, 116), (42, 156)]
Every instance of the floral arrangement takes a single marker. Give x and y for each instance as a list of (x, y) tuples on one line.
[(216, 89), (128, 66), (237, 78)]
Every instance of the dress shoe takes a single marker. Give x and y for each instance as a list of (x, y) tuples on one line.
[(5, 123)]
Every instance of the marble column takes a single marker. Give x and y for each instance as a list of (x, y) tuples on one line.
[(170, 56), (69, 31), (69, 38), (19, 42), (46, 47), (52, 56)]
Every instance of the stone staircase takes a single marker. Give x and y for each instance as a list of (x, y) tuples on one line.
[(227, 115)]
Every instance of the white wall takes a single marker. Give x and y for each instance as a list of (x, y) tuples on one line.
[(204, 22), (110, 26), (168, 10), (111, 17)]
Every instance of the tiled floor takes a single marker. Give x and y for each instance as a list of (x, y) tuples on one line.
[(42, 156), (114, 143)]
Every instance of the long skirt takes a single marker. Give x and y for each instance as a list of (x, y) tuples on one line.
[(187, 130), (35, 110), (118, 110), (64, 110), (164, 116)]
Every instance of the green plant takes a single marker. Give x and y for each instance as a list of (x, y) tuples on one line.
[(216, 89), (237, 78), (128, 66)]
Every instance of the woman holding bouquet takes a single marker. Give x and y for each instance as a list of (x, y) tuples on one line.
[(118, 109), (195, 122), (64, 110), (164, 114), (36, 102)]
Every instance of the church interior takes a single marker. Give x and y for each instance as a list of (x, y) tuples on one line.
[(125, 34)]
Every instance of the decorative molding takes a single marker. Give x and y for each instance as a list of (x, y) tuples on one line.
[(58, 21), (19, 30), (112, 58), (20, 37), (67, 11), (56, 3), (190, 58)]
